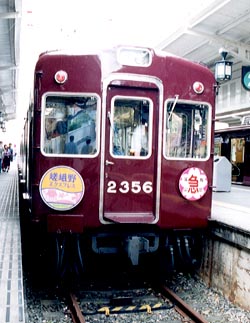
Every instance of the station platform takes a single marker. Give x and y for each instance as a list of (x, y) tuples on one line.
[(11, 275), (233, 207)]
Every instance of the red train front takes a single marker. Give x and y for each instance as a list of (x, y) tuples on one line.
[(117, 151)]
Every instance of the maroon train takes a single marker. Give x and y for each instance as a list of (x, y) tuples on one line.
[(117, 153)]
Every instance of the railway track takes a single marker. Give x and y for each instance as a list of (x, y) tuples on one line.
[(120, 305), (122, 297)]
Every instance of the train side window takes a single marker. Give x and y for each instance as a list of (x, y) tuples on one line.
[(69, 125), (131, 127), (187, 130)]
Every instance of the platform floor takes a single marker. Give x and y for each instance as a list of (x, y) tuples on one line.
[(11, 275), (233, 207)]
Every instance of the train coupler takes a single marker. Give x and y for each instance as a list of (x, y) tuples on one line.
[(135, 246)]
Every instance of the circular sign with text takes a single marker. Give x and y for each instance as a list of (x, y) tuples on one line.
[(193, 183), (61, 188)]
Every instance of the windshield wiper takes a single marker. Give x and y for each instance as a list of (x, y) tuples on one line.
[(172, 109)]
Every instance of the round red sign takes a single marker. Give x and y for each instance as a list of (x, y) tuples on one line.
[(193, 183)]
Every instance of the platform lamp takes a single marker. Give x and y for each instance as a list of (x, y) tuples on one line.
[(223, 68)]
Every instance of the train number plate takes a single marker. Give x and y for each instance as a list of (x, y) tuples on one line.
[(126, 187)]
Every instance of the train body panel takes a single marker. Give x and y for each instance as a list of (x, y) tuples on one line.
[(119, 139)]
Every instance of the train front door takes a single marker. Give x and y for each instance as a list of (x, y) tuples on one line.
[(130, 162)]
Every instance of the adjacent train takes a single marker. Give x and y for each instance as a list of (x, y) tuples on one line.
[(234, 144), (116, 156)]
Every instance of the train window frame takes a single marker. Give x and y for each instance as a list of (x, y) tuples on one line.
[(96, 126), (149, 128), (207, 140)]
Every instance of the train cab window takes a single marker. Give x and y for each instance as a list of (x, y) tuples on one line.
[(69, 125), (187, 130), (131, 127)]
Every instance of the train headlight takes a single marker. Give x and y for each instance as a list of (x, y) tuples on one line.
[(61, 77), (198, 87)]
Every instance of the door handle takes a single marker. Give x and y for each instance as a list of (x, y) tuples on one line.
[(107, 162)]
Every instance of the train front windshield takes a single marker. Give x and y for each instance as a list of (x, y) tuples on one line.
[(71, 121), (131, 127), (69, 125), (187, 130)]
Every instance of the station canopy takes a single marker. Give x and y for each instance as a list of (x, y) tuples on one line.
[(223, 24)]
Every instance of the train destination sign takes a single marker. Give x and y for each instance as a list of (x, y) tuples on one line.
[(62, 188)]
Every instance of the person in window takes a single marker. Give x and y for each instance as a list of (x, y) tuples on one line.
[(117, 150), (71, 147), (88, 148)]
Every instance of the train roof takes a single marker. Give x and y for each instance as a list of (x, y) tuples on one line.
[(118, 49)]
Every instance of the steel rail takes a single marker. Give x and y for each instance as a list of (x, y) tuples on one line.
[(182, 307), (75, 310)]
